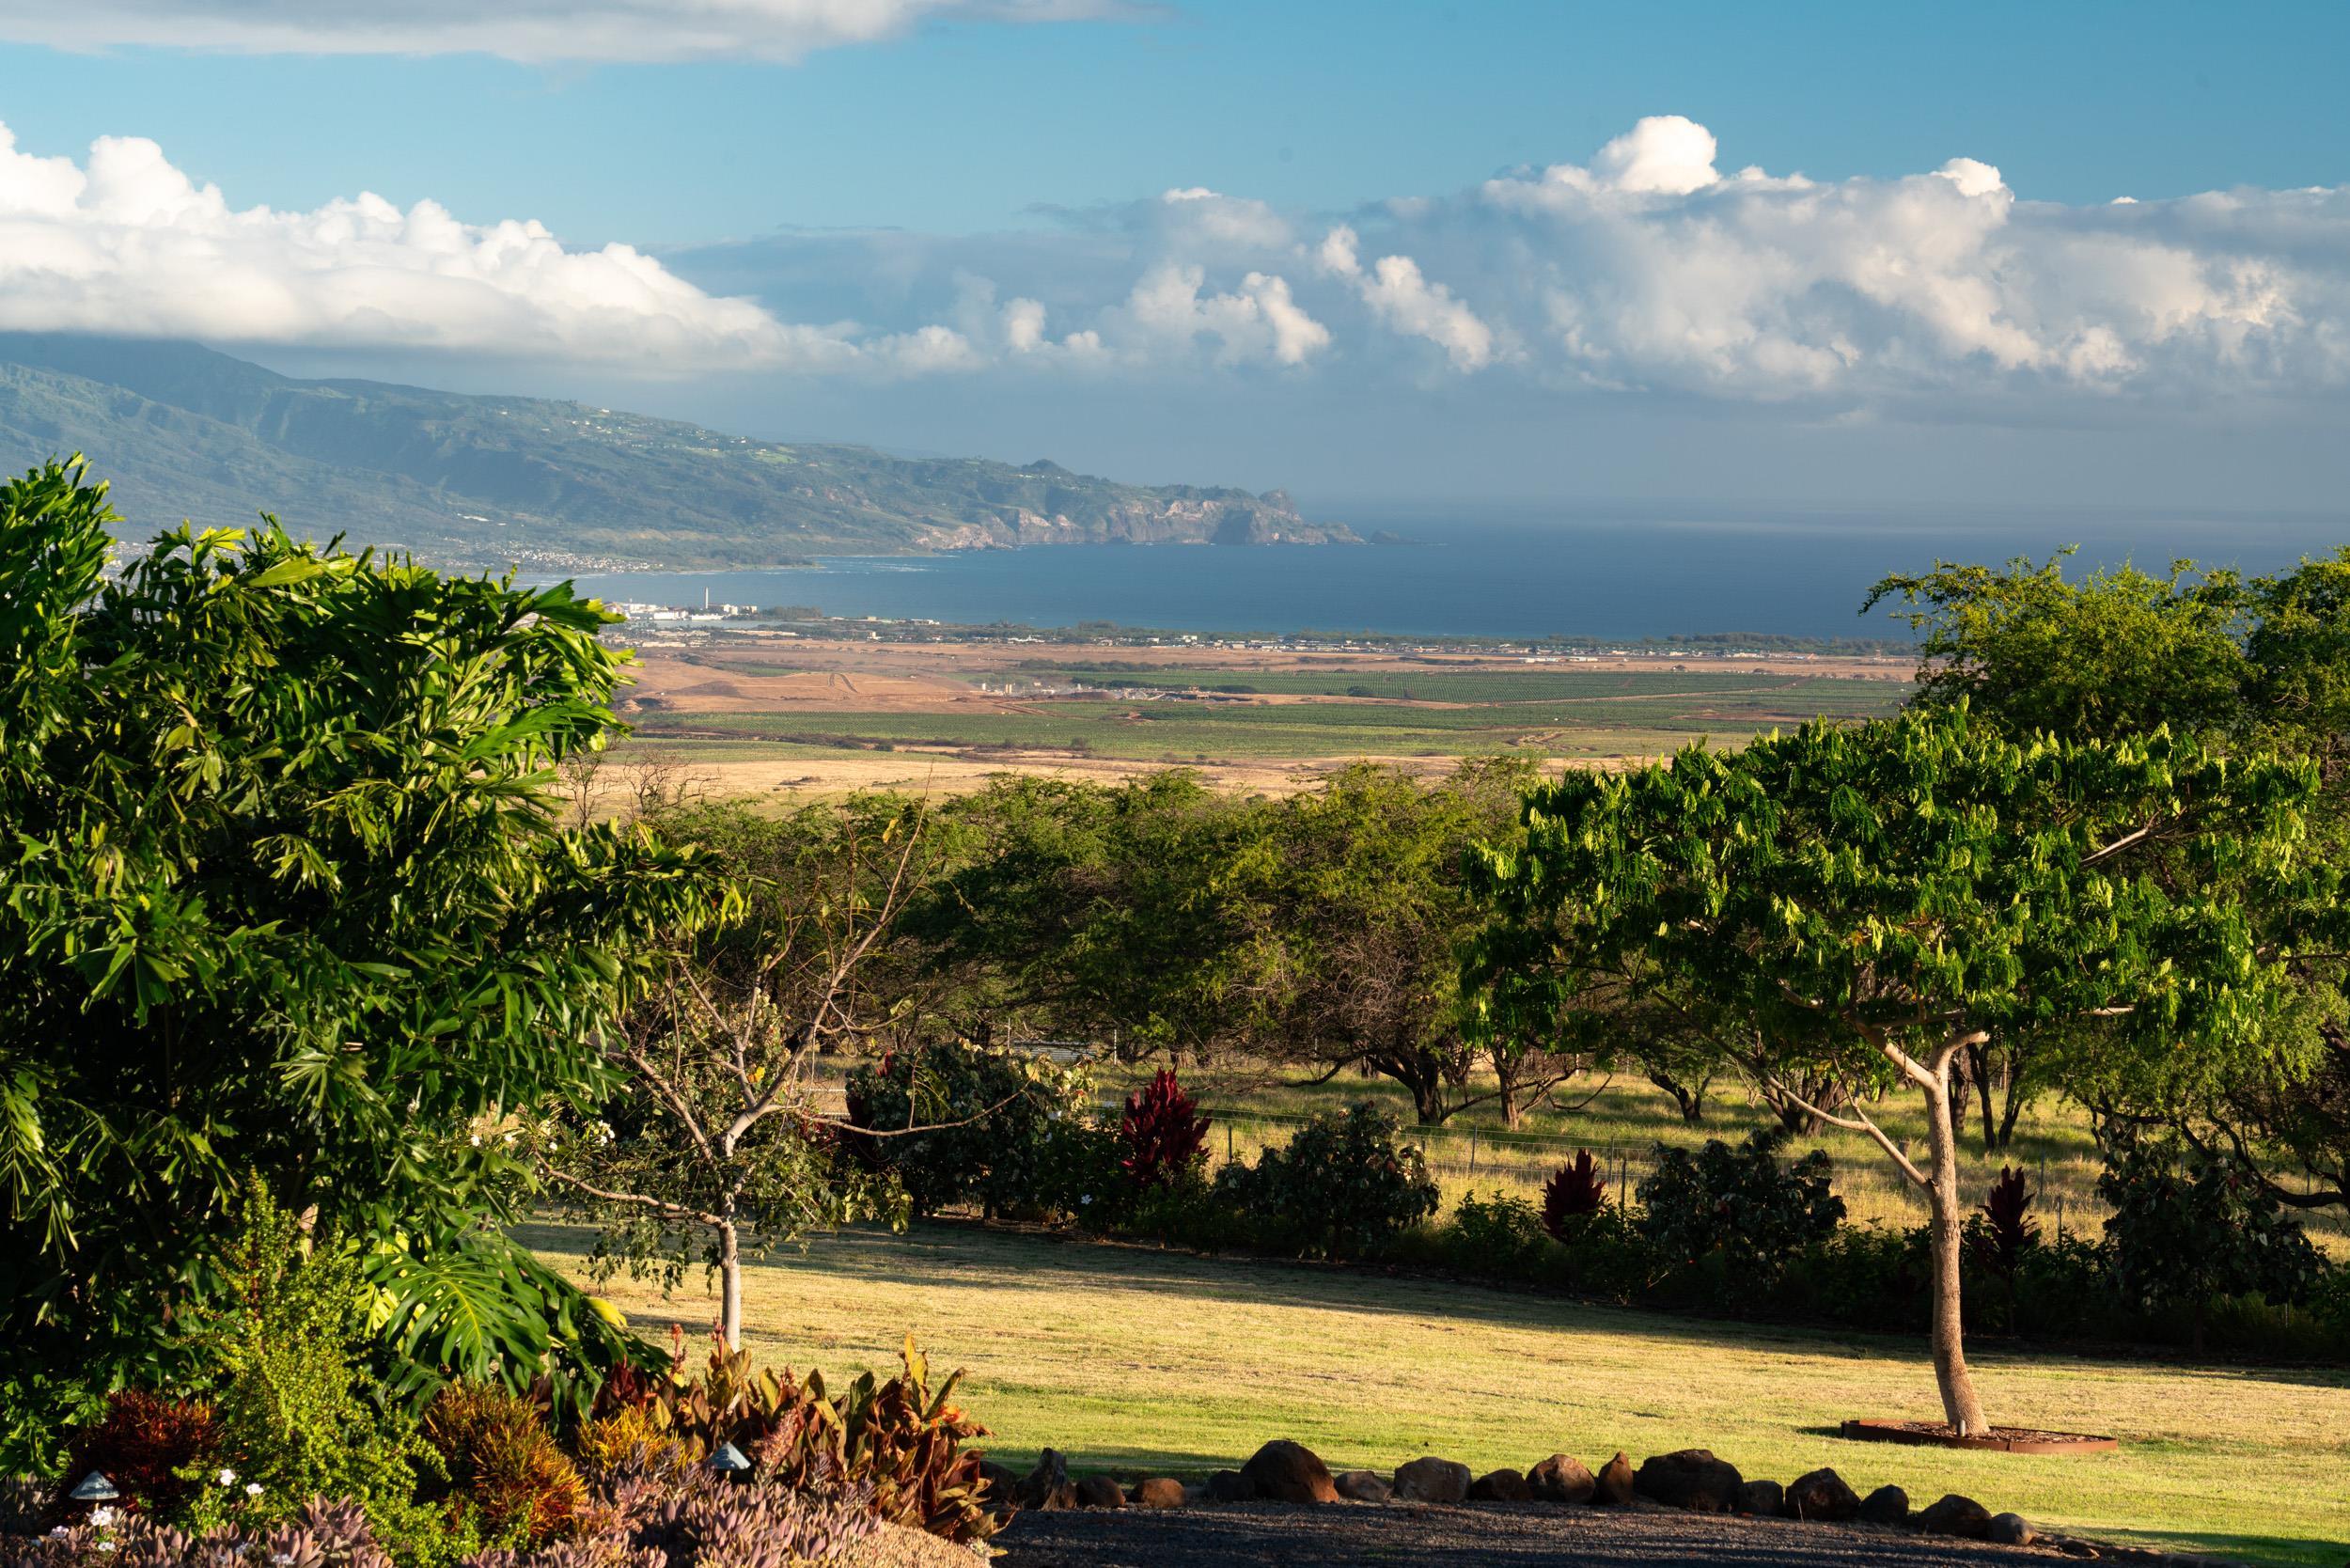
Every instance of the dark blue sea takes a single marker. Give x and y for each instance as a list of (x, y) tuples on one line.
[(1656, 574)]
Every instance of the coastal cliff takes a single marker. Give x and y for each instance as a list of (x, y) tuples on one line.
[(488, 481)]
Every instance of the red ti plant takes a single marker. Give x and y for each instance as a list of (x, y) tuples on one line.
[(1574, 1192), (2003, 1230), (1161, 1132)]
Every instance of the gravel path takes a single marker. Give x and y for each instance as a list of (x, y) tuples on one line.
[(1489, 1535)]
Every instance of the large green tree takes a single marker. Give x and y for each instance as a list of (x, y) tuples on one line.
[(2260, 663), (1113, 914), (282, 892), (1873, 900)]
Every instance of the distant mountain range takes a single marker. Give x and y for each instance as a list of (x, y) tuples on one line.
[(183, 432)]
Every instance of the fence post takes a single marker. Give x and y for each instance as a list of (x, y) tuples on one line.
[(1227, 1143), (1472, 1156)]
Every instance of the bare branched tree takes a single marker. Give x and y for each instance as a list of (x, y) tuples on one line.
[(716, 1142)]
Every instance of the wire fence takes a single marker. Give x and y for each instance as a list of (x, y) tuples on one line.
[(1476, 1157)]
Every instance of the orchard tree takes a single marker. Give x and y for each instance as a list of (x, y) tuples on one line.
[(1362, 903), (715, 1142), (285, 894), (1108, 914), (1876, 900)]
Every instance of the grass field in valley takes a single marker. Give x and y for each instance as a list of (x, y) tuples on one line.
[(1139, 1360)]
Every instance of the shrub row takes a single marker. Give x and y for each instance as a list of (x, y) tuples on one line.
[(2194, 1256), (2198, 1252)]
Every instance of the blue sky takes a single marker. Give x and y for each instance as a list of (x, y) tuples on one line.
[(969, 125), (963, 232)]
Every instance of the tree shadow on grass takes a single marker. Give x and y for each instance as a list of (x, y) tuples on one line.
[(2260, 1548), (971, 1256)]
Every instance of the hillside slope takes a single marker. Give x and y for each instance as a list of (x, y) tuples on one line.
[(185, 432)]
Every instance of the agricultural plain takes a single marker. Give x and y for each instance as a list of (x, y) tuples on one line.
[(753, 715)]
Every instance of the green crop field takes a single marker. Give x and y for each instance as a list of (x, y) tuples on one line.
[(1440, 683), (1141, 1361)]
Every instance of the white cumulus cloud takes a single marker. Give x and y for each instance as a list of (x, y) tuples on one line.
[(1644, 269), (1259, 321), (127, 242), (533, 31)]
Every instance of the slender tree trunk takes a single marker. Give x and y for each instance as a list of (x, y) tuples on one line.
[(731, 1281), (1959, 1404), (2013, 1101), (1979, 1064)]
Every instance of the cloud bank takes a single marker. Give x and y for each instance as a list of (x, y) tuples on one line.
[(531, 31), (1645, 271)]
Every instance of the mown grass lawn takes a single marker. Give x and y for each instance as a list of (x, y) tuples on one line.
[(1139, 1360)]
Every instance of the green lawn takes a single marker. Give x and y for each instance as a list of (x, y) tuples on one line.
[(1139, 1360)]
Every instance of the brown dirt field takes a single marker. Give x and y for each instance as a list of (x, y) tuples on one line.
[(680, 686)]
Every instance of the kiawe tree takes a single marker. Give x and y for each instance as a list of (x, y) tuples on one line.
[(1872, 901)]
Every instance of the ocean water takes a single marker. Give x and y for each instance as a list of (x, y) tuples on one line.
[(1579, 577)]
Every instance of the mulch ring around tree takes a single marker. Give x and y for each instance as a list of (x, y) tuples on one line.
[(1430, 1535), (2005, 1439)]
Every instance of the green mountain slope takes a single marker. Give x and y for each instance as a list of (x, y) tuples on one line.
[(183, 432)]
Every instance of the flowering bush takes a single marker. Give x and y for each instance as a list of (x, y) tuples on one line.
[(1741, 1203), (660, 1510), (317, 1535), (1346, 1185)]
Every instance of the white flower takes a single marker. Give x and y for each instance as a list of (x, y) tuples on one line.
[(252, 1488), (281, 1558), (475, 1140), (228, 1478), (1087, 1198), (102, 1517), (56, 1530), (105, 1545)]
